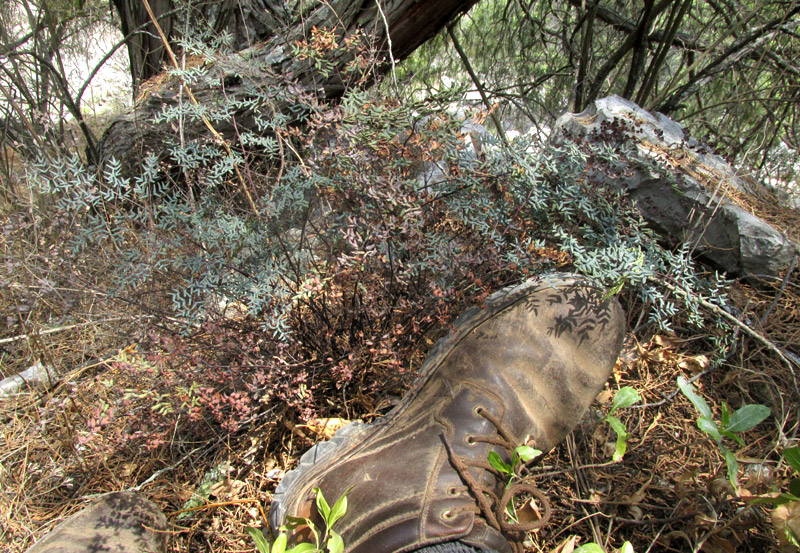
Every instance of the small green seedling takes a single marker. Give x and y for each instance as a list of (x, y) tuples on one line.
[(730, 426), (329, 541), (594, 548), (625, 397), (522, 454)]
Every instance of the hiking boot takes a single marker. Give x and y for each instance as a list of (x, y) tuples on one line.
[(520, 370), (119, 522)]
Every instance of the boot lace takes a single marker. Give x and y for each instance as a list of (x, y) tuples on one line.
[(491, 506)]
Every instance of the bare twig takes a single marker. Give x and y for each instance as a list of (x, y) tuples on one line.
[(158, 473), (389, 41), (779, 295), (58, 329), (468, 66), (206, 122), (753, 333)]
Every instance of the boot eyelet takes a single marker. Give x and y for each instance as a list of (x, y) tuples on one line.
[(448, 515), (452, 491), (470, 440), (479, 410)]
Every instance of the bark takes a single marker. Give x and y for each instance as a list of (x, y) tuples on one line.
[(247, 22), (270, 62), (630, 42), (585, 61), (145, 50), (609, 16), (639, 50)]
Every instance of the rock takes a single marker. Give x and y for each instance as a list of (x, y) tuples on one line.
[(683, 191), (33, 377), (120, 522)]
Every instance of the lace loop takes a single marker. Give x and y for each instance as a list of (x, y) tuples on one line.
[(517, 489), (491, 507)]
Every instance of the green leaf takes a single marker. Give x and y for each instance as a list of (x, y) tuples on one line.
[(792, 536), (625, 397), (261, 541), (622, 437), (709, 427), (616, 425), (775, 501), (725, 417), (295, 522), (499, 464), (698, 402), (526, 453), (279, 545), (733, 466), (322, 505), (728, 434), (335, 543), (627, 547), (589, 548), (792, 456), (747, 417), (339, 508), (302, 548), (794, 486), (620, 447), (313, 528)]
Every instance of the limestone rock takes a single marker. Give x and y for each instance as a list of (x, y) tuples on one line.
[(35, 376), (683, 191)]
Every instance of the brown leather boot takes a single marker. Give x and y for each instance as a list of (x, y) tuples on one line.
[(119, 522), (520, 370)]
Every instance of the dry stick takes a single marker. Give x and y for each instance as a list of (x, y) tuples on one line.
[(159, 472), (223, 504), (391, 54), (207, 123), (580, 484), (781, 291), (753, 333), (21, 115), (478, 85), (58, 329)]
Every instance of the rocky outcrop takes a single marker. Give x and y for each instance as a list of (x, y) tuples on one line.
[(682, 190)]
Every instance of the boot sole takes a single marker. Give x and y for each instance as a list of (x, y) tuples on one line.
[(351, 435)]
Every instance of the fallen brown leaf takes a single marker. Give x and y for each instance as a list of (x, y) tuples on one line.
[(786, 520), (566, 546), (325, 428)]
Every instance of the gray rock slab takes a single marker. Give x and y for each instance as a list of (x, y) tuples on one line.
[(682, 190), (34, 376)]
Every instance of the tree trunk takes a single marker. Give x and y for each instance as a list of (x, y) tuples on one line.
[(233, 77), (245, 21), (145, 50)]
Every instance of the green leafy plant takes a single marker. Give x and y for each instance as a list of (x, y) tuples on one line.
[(625, 397), (730, 425), (328, 541), (522, 454)]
